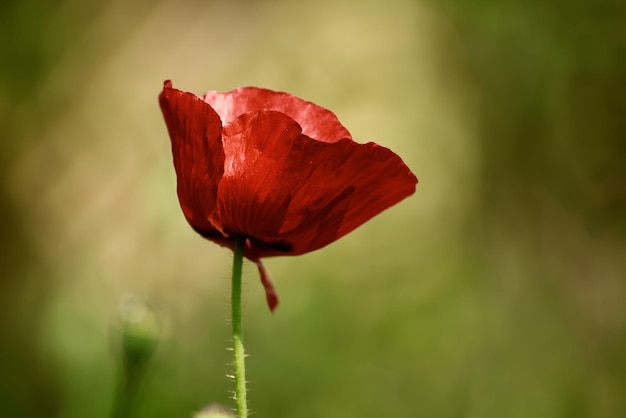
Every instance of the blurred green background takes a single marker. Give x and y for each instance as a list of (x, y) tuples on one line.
[(498, 290)]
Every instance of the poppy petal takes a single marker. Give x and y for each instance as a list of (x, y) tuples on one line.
[(366, 179), (195, 131), (294, 194), (254, 192), (370, 178), (316, 121)]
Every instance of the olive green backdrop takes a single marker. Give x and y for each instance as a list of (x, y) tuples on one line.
[(497, 290)]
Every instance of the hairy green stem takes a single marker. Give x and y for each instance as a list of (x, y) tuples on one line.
[(240, 367)]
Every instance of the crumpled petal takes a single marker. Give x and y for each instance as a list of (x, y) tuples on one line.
[(270, 293), (315, 121)]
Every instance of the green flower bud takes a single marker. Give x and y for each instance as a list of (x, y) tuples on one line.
[(140, 329)]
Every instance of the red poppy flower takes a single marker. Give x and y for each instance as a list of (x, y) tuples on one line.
[(279, 171)]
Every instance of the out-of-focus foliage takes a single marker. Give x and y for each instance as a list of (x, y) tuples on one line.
[(498, 290), (551, 77)]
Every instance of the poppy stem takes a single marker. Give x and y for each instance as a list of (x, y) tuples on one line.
[(240, 367)]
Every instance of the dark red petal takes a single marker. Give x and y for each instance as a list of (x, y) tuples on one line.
[(317, 122), (349, 184), (293, 194), (254, 193), (195, 131)]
